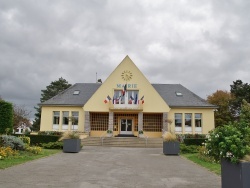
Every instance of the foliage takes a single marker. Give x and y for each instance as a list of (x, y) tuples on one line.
[(50, 133), (70, 135), (39, 139), (34, 149), (53, 145), (140, 132), (194, 141), (6, 152), (240, 91), (229, 142), (25, 139), (194, 136), (6, 116), (189, 149), (21, 116), (12, 141), (169, 137), (245, 111), (203, 155), (51, 90), (109, 131), (222, 99)]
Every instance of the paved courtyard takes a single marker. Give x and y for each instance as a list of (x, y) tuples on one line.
[(107, 167)]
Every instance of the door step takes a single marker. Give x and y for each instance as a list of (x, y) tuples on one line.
[(125, 135)]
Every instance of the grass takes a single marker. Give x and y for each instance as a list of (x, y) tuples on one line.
[(25, 157), (213, 167)]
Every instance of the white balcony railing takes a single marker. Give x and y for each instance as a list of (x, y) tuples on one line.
[(126, 106)]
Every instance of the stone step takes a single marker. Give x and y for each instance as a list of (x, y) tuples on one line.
[(123, 142)]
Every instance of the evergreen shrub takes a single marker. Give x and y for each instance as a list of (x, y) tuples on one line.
[(6, 116), (12, 141), (194, 141)]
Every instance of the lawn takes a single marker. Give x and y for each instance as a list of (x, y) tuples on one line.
[(213, 167), (25, 156)]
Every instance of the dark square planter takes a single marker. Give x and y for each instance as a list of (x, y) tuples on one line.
[(171, 148), (71, 145), (235, 175)]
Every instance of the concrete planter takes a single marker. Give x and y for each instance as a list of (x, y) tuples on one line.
[(235, 175), (171, 148), (71, 145), (109, 134), (140, 135)]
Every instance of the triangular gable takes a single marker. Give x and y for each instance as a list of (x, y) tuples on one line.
[(153, 102)]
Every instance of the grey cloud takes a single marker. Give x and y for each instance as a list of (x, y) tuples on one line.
[(202, 45)]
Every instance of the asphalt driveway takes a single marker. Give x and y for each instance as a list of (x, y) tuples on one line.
[(108, 167)]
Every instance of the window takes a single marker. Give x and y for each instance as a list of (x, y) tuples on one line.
[(99, 121), (76, 92), (188, 120), (117, 96), (75, 118), (65, 118), (179, 94), (56, 117), (152, 122), (131, 97), (178, 119), (198, 120)]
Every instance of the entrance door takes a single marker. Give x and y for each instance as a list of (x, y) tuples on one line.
[(126, 126)]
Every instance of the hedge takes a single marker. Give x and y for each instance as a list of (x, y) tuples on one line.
[(6, 116), (40, 139), (194, 141)]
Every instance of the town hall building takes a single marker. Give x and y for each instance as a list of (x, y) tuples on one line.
[(126, 102)]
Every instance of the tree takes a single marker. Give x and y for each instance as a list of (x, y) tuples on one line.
[(21, 116), (245, 112), (6, 116), (51, 90), (222, 99), (240, 91)]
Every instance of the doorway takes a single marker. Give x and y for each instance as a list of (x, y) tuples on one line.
[(126, 126)]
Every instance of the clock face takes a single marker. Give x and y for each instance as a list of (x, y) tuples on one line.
[(127, 75)]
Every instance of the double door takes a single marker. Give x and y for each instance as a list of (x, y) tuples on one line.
[(126, 126)]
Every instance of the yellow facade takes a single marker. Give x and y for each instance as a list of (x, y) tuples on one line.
[(153, 116), (47, 117)]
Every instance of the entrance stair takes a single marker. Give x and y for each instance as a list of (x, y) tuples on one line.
[(123, 142)]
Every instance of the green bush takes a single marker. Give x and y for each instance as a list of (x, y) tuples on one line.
[(25, 139), (194, 135), (34, 149), (203, 155), (12, 141), (50, 133), (53, 145), (194, 141), (229, 142), (6, 116), (189, 149), (40, 139)]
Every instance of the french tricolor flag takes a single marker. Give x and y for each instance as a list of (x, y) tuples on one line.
[(107, 99), (142, 99), (124, 90)]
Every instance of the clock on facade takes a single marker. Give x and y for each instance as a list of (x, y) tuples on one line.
[(127, 75)]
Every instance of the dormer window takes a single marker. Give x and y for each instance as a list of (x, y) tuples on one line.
[(178, 94), (76, 92)]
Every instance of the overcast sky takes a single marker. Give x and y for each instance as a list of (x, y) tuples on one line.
[(203, 45)]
